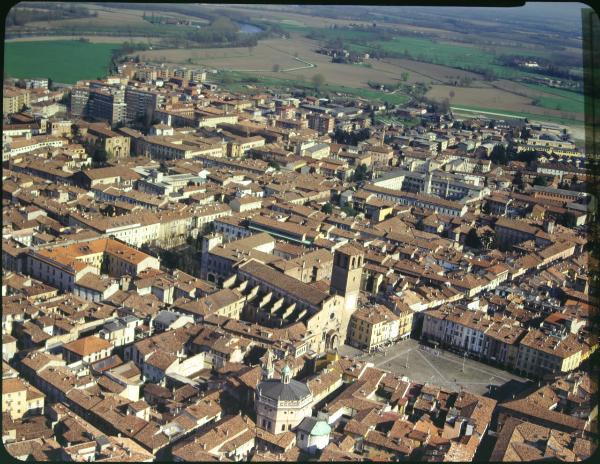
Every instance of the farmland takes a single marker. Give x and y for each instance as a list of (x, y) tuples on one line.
[(63, 61), (112, 39), (576, 127), (282, 52), (259, 61), (241, 81), (497, 98), (447, 54), (441, 58)]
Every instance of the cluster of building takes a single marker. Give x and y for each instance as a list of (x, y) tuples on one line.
[(286, 253)]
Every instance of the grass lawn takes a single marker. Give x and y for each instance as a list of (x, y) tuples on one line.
[(408, 122), (64, 61)]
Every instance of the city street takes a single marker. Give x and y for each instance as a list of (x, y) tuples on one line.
[(421, 363)]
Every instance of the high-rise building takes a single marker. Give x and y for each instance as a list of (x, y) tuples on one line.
[(108, 105), (140, 101), (80, 97), (322, 123), (104, 103)]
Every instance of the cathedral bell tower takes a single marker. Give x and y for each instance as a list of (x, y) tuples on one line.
[(348, 262), (268, 368)]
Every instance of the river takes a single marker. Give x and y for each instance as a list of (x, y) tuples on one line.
[(246, 28)]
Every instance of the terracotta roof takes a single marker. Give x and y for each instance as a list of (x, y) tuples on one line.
[(88, 345)]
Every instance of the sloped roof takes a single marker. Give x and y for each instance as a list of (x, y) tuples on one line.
[(87, 345)]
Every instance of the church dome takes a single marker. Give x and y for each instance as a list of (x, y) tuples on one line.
[(278, 390)]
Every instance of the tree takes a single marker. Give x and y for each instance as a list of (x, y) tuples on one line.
[(349, 210), (451, 94), (540, 180), (360, 173), (275, 165), (472, 239), (76, 131), (327, 208), (148, 117), (100, 156), (488, 240), (105, 265), (318, 80), (527, 156), (498, 155), (404, 76), (568, 219), (489, 75), (442, 107), (518, 181)]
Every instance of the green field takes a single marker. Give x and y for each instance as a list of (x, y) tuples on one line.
[(515, 114), (64, 61), (561, 104), (559, 99), (558, 92), (447, 54)]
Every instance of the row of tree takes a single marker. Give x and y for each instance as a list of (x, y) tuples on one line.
[(546, 67), (352, 137), (52, 12), (502, 155)]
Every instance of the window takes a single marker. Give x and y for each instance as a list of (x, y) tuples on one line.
[(282, 427)]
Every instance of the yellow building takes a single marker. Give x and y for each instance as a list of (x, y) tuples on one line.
[(13, 100), (372, 326), (405, 320), (241, 145), (551, 147), (543, 354), (18, 398)]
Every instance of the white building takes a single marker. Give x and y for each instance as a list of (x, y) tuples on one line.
[(312, 434)]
